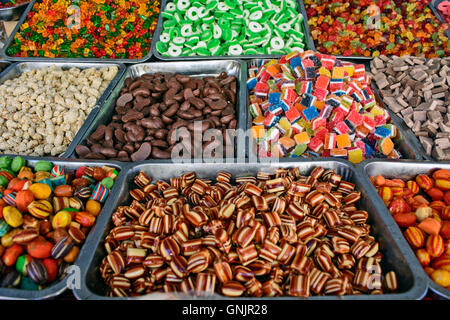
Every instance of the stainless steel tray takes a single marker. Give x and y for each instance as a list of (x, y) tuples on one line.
[(16, 69), (404, 170), (193, 68), (404, 143), (396, 255), (12, 13), (62, 59), (309, 44), (91, 239)]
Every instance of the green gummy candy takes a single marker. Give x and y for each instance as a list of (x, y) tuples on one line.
[(299, 149), (43, 165), (108, 182), (17, 163), (27, 284), (4, 182), (5, 162)]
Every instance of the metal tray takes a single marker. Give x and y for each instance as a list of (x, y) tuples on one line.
[(62, 59), (12, 13), (59, 287), (434, 7), (16, 69), (193, 68), (408, 149), (309, 44), (404, 170), (396, 257)]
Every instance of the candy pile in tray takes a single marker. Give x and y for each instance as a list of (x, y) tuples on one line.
[(314, 105)]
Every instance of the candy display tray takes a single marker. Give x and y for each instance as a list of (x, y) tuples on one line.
[(404, 142), (62, 59), (405, 170), (309, 44), (16, 69), (412, 284), (91, 238), (192, 68), (13, 13)]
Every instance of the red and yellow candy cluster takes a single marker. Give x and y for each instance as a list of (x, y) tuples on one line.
[(352, 28), (114, 29), (421, 208)]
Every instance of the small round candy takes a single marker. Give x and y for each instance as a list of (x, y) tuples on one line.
[(57, 171), (62, 219), (4, 182), (12, 216), (5, 162), (43, 165), (17, 163), (80, 172), (93, 207), (108, 182), (27, 284), (40, 191), (22, 262)]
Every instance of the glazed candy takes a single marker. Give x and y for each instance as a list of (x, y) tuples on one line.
[(113, 29), (46, 212), (309, 104), (405, 27)]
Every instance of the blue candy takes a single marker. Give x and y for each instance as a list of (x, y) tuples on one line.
[(58, 181), (274, 97), (275, 109), (294, 62), (251, 83), (307, 100), (310, 113), (382, 132)]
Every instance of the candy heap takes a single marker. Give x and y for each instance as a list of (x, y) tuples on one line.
[(45, 215), (309, 104), (421, 208), (232, 27)]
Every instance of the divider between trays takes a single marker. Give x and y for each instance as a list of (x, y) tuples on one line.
[(409, 146), (59, 287), (16, 69), (63, 59), (412, 169), (399, 260), (309, 43), (197, 68)]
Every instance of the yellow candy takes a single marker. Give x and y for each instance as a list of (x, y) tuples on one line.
[(62, 220), (325, 72), (40, 191), (7, 239), (441, 277), (12, 216), (93, 207), (41, 175), (377, 111)]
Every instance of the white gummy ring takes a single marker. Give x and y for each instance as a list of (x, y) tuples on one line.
[(174, 51), (192, 14), (186, 30), (277, 43), (171, 7), (255, 15), (255, 27), (285, 27), (182, 5), (164, 37), (217, 32), (235, 50)]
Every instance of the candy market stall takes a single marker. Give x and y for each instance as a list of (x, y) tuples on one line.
[(319, 139)]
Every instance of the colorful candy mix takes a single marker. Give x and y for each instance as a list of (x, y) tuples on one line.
[(351, 28), (46, 212), (113, 29), (331, 111)]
